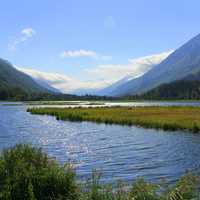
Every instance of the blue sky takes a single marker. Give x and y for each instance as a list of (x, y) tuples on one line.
[(74, 36)]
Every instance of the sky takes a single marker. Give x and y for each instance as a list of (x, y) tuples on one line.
[(91, 39)]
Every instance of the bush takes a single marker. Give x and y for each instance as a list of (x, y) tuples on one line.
[(142, 190), (27, 173)]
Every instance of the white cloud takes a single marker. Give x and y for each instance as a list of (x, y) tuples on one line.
[(64, 83), (25, 34), (28, 32), (85, 53), (100, 76), (79, 53), (134, 68)]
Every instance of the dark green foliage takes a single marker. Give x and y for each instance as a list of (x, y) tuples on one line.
[(144, 190), (186, 188), (27, 173), (182, 89), (18, 94)]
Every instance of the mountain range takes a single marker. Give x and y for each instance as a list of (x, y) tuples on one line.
[(18, 86), (185, 61), (182, 64), (101, 85)]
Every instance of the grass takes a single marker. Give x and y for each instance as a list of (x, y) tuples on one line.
[(26, 173), (167, 118)]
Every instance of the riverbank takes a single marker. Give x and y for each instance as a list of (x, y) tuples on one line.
[(27, 172), (167, 118)]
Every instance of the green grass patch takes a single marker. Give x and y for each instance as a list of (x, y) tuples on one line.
[(167, 118)]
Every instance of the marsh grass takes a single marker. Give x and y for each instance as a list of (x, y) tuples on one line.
[(166, 118), (26, 173)]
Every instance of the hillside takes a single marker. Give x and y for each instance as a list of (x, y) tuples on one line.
[(181, 89), (137, 67), (15, 84), (11, 77), (183, 62)]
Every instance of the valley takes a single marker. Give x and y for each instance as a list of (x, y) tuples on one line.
[(100, 100)]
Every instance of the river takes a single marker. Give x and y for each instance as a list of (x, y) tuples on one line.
[(120, 152)]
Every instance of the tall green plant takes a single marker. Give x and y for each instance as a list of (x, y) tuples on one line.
[(27, 173)]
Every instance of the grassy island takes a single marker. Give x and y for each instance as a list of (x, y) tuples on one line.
[(166, 118)]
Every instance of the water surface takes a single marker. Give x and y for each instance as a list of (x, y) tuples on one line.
[(120, 152)]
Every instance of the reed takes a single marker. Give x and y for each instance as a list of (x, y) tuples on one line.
[(166, 118)]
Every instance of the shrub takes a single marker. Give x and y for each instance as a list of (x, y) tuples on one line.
[(186, 188), (143, 190), (27, 173)]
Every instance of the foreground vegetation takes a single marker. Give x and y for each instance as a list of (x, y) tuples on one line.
[(26, 173), (166, 118)]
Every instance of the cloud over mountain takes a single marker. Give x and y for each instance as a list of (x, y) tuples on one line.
[(135, 67), (101, 76)]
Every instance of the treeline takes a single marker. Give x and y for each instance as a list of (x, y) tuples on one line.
[(18, 94), (177, 90)]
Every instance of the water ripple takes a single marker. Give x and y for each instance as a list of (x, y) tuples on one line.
[(120, 152)]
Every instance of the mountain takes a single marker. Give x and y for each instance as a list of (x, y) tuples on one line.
[(181, 89), (103, 84), (46, 80), (59, 82), (15, 85), (186, 88), (195, 76), (137, 68), (108, 90), (183, 62), (11, 77)]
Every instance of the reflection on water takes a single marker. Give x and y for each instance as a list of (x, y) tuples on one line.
[(120, 152)]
